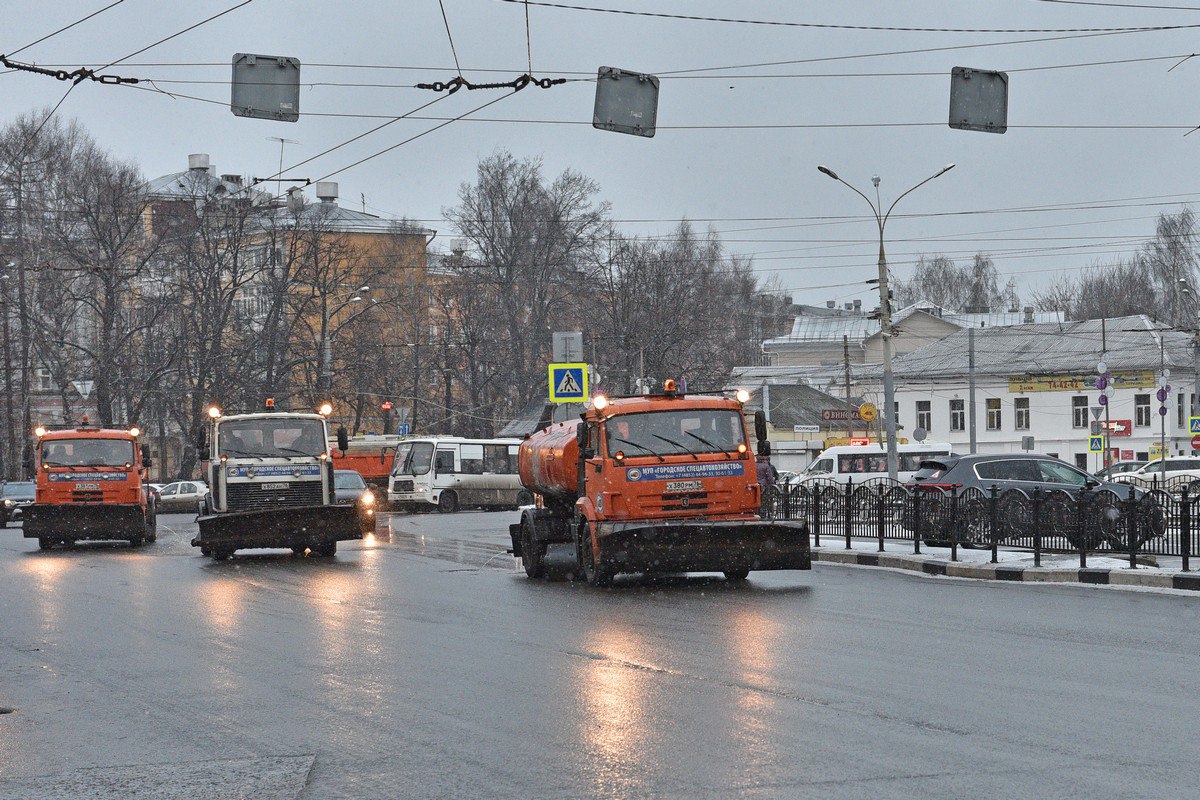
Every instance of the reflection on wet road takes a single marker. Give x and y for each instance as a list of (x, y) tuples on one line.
[(421, 663)]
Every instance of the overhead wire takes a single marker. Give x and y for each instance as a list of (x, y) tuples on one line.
[(449, 36), (65, 28), (831, 26)]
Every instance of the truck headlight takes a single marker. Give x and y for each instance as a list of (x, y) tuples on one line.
[(367, 499), (8, 503)]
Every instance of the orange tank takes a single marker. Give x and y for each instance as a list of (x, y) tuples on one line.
[(549, 461)]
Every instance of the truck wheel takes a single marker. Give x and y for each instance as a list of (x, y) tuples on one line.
[(524, 498), (299, 551), (221, 555), (152, 526), (736, 575), (45, 544), (326, 549), (533, 554), (448, 502), (594, 574), (137, 541), (204, 551)]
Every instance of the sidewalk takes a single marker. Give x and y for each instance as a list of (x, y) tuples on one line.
[(1013, 565)]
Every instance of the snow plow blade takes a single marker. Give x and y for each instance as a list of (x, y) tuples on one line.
[(703, 546), (304, 526), (71, 522)]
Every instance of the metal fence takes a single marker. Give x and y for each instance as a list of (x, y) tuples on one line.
[(1087, 520)]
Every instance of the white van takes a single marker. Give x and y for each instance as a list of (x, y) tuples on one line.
[(861, 462)]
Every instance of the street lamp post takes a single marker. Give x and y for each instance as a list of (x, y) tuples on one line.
[(885, 306), (325, 356)]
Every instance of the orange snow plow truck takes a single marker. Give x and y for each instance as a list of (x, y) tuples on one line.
[(650, 484), (91, 484)]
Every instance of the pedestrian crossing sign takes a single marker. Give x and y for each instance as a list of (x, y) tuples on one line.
[(1095, 444), (1193, 424), (568, 383)]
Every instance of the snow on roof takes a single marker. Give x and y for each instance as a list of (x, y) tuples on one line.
[(1132, 343)]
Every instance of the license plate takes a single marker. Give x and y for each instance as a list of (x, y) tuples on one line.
[(683, 486), (274, 486), (95, 487)]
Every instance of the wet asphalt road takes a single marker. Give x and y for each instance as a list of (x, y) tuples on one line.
[(419, 663)]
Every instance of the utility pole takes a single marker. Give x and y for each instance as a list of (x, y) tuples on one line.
[(1108, 393), (971, 385), (849, 409)]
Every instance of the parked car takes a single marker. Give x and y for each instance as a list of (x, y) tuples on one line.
[(349, 488), (1120, 468), (1177, 472), (1015, 477), (14, 497), (181, 496)]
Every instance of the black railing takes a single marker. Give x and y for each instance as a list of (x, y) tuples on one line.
[(1083, 520)]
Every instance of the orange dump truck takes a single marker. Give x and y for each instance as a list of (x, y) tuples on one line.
[(91, 484), (661, 483)]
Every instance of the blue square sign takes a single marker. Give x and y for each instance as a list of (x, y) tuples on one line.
[(568, 383)]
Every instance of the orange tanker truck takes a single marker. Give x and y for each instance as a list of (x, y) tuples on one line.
[(652, 483), (91, 484)]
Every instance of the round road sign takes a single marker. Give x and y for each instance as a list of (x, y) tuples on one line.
[(920, 434), (868, 412), (1196, 442)]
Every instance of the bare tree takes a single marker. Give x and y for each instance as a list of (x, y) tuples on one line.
[(533, 241), (938, 280)]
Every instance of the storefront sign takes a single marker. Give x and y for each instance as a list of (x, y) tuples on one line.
[(1079, 381)]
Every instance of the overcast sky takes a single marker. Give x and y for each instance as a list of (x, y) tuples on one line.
[(1104, 144)]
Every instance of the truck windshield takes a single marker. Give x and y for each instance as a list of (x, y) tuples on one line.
[(87, 452), (272, 438), (684, 432), (413, 458)]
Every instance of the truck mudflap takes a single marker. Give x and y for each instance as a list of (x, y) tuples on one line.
[(70, 522), (299, 527), (716, 546)]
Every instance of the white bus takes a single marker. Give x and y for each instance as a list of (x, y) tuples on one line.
[(450, 473)]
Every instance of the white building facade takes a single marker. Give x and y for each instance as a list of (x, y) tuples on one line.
[(1041, 381)]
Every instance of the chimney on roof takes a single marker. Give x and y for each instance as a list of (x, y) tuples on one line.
[(831, 303), (236, 180), (858, 305), (198, 162), (849, 306), (327, 191), (1028, 315)]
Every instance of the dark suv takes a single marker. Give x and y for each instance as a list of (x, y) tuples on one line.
[(1081, 507), (14, 497)]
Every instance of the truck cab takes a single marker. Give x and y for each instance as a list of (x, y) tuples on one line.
[(91, 485), (271, 484)]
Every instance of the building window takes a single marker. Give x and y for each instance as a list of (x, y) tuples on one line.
[(896, 412), (1182, 409), (958, 415), (1141, 410), (993, 413), (924, 414), (1021, 412), (45, 382), (1079, 412)]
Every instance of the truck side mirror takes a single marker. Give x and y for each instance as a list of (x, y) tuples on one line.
[(764, 447), (146, 460), (343, 439), (204, 453), (760, 425)]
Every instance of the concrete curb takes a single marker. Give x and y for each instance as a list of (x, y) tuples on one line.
[(1002, 572)]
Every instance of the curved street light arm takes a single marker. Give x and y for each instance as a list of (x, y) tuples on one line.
[(937, 174)]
